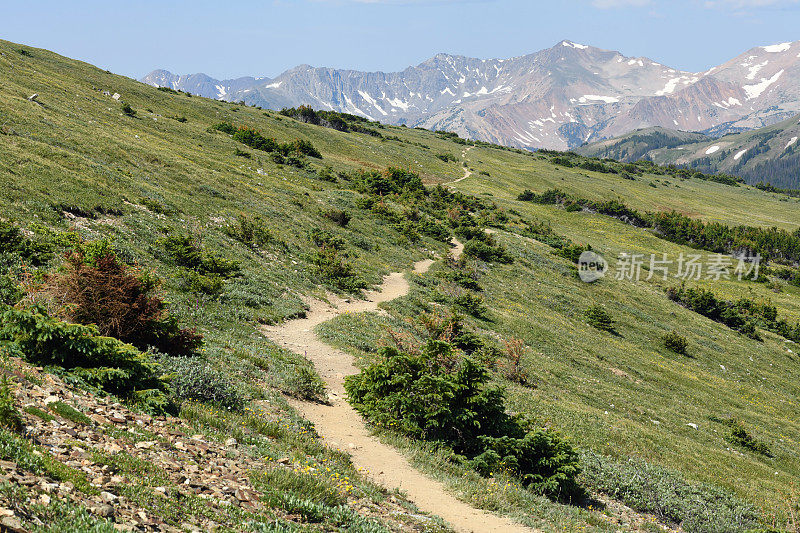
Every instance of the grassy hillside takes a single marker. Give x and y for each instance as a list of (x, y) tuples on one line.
[(74, 163)]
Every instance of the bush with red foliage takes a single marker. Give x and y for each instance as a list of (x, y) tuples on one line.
[(121, 302)]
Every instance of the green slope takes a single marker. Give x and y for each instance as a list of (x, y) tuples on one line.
[(637, 144), (768, 155), (74, 153)]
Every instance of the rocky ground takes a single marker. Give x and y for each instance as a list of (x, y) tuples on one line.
[(131, 470)]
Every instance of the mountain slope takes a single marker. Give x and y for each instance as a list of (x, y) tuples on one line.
[(769, 154), (176, 174), (556, 98)]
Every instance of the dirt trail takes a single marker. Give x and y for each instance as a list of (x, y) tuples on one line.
[(342, 427), (467, 171)]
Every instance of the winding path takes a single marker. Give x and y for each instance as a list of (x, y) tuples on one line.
[(342, 427), (467, 171)]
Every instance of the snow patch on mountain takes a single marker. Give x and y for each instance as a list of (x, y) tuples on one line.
[(712, 149), (755, 68), (739, 155), (791, 142), (776, 48), (593, 98), (754, 91)]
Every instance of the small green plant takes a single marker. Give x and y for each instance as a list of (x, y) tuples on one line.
[(252, 232), (9, 416), (193, 378), (241, 153), (70, 413), (128, 110), (597, 317), (307, 385), (471, 304), (738, 435), (338, 216), (675, 342), (39, 413)]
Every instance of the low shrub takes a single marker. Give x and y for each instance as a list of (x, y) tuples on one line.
[(675, 342), (488, 252), (194, 378), (526, 196), (306, 384), (80, 352), (698, 507), (471, 304), (95, 287), (9, 415), (433, 396), (128, 110), (331, 266), (338, 216), (598, 317), (252, 232), (12, 241), (739, 436), (186, 252)]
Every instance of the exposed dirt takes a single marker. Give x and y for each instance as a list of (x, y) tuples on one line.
[(467, 171)]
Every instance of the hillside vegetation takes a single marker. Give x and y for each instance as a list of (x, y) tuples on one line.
[(631, 404)]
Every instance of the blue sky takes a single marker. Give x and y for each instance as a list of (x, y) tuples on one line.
[(237, 38)]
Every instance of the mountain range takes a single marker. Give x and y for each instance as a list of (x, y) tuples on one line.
[(557, 98)]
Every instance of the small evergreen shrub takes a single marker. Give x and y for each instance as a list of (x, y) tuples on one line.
[(338, 216), (128, 110), (598, 317), (675, 342), (739, 436), (526, 196), (433, 396), (488, 252), (307, 385), (471, 304), (9, 416), (252, 232), (102, 362), (13, 242)]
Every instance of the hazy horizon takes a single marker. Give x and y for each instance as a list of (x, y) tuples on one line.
[(389, 35)]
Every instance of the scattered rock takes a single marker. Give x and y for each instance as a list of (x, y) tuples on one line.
[(103, 509)]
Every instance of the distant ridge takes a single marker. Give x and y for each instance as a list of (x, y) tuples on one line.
[(561, 97)]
